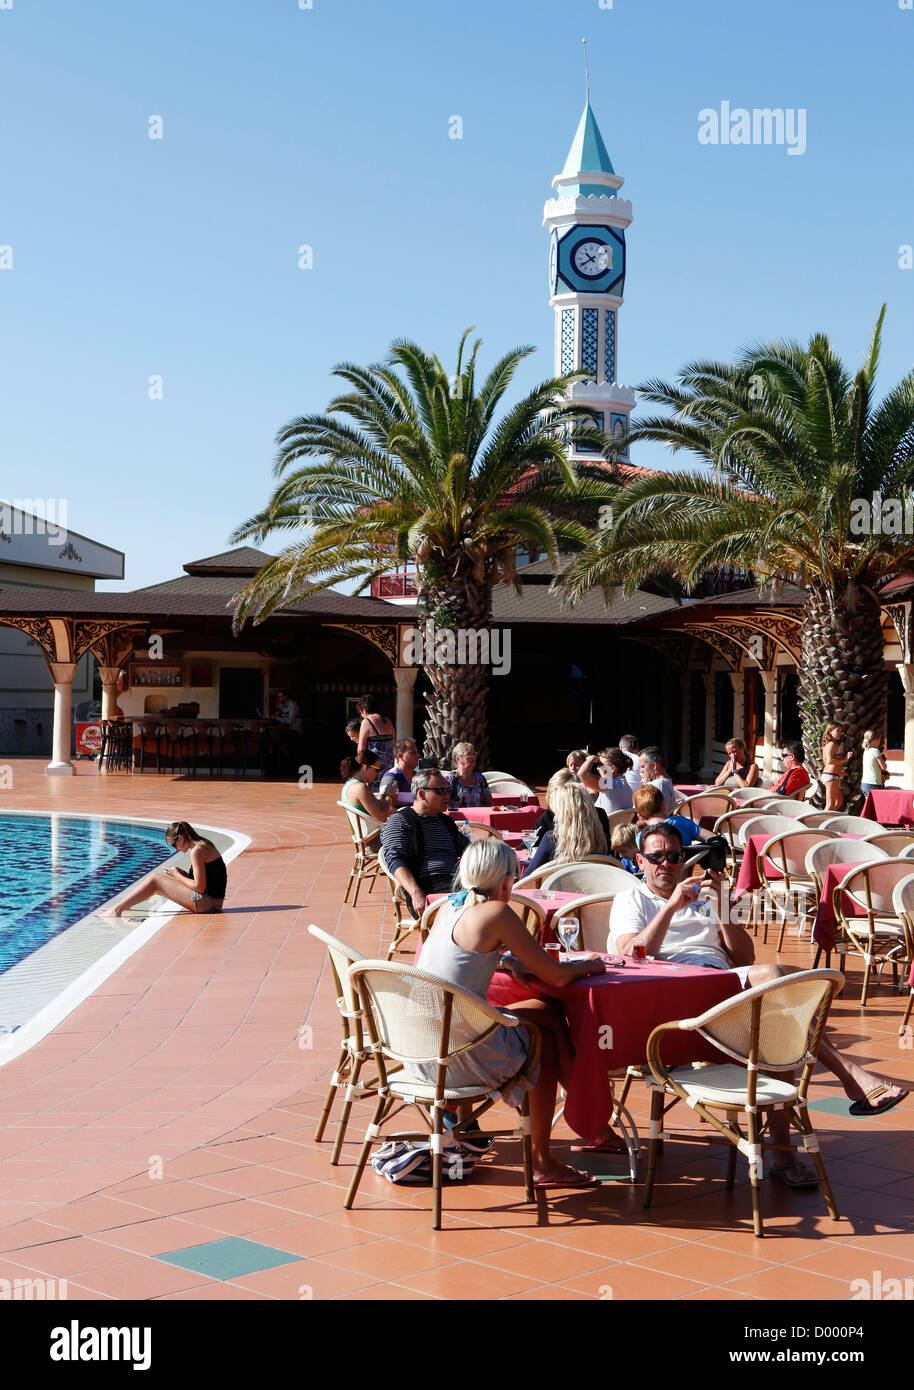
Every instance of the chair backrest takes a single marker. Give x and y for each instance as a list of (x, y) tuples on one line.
[(592, 911), (705, 804), (740, 794), (853, 825), (838, 851), (589, 878), (339, 958), (809, 816), (780, 806), (788, 851), (765, 825), (493, 776), (731, 822), (535, 878), (480, 831), (615, 818), (361, 825), (873, 885), (903, 904), (784, 1009), (510, 786), (417, 1017), (896, 843), (531, 913)]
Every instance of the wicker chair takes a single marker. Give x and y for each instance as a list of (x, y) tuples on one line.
[(589, 878), (617, 818), (787, 853), (838, 851), (853, 825), (364, 831), (354, 1048), (903, 902), (510, 786), (714, 804), (413, 1017), (531, 914), (740, 795), (729, 825), (813, 817), (404, 924), (878, 935), (774, 1027), (898, 844), (592, 911)]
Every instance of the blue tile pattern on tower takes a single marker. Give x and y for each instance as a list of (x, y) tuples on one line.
[(567, 341), (589, 321)]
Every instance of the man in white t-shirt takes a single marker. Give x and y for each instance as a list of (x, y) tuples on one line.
[(667, 916), (653, 770)]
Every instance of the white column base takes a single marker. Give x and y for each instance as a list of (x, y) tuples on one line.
[(59, 770)]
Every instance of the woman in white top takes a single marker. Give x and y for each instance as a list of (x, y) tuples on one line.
[(874, 764), (463, 947)]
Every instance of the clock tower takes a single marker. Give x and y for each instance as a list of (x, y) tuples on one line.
[(587, 220)]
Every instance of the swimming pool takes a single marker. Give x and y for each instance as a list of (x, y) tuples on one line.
[(55, 948), (59, 869)]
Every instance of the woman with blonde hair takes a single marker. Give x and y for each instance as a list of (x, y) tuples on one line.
[(576, 830), (468, 787), (874, 764), (463, 947)]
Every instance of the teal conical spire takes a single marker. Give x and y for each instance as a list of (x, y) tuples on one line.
[(588, 155)]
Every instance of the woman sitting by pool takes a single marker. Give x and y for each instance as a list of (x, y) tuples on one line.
[(201, 888)]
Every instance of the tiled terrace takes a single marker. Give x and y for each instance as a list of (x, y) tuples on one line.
[(175, 1109)]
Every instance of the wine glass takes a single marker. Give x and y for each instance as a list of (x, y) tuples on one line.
[(529, 839), (569, 929)]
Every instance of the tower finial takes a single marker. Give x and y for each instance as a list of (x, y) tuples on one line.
[(586, 73)]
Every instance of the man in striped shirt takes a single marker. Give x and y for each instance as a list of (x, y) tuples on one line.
[(422, 845)]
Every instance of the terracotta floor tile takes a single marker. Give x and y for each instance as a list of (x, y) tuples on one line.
[(311, 1237), (63, 1258), (704, 1264), (847, 1262), (156, 1237), (306, 1279), (543, 1261), (468, 1280), (138, 1279), (627, 1282), (98, 1214), (790, 1283), (388, 1259), (233, 1218)]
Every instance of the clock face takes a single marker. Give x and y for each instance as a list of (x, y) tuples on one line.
[(591, 259)]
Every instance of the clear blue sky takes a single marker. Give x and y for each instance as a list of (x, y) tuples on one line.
[(329, 126)]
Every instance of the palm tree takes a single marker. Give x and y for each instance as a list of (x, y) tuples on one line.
[(797, 449), (410, 464)]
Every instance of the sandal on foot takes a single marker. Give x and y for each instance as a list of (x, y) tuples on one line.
[(867, 1107), (570, 1177), (613, 1144), (792, 1175)]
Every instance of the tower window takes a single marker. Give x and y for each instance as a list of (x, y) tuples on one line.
[(589, 321), (567, 341)]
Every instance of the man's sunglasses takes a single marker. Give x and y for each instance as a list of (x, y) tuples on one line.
[(672, 856), (439, 790)]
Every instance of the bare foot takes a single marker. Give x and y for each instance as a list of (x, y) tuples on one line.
[(113, 911)]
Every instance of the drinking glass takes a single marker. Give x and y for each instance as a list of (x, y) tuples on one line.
[(529, 839), (569, 929)]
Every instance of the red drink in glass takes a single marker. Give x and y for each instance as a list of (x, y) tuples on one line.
[(639, 951)]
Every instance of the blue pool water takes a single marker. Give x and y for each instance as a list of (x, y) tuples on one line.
[(56, 870)]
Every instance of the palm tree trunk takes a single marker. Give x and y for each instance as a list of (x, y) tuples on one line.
[(458, 608), (842, 676)]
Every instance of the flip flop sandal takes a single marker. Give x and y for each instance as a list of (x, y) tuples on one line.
[(866, 1106), (784, 1175), (575, 1178), (615, 1145)]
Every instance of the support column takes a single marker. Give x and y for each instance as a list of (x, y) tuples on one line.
[(405, 676), (62, 673), (770, 682), (905, 670), (708, 771), (109, 675), (738, 681)]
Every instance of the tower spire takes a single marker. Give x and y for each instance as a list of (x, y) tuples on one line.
[(586, 75)]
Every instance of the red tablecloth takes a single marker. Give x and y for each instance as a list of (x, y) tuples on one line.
[(610, 1018), (890, 806), (515, 799), (823, 931), (747, 879), (524, 818), (684, 789)]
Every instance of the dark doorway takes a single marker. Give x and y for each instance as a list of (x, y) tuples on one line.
[(240, 692)]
